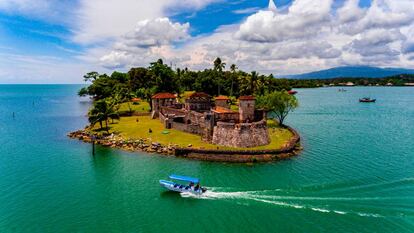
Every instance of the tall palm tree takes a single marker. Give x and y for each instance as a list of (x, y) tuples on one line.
[(219, 67), (101, 111), (233, 69), (253, 81)]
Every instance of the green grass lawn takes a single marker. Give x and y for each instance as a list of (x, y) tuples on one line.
[(128, 127), (142, 107)]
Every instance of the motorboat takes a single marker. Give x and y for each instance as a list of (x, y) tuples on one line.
[(192, 186), (292, 92), (367, 100)]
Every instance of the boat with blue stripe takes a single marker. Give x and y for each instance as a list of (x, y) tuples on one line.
[(192, 186)]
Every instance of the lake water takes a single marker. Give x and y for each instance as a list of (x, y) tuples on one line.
[(356, 173)]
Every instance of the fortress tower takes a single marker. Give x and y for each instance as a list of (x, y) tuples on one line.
[(222, 101), (246, 108)]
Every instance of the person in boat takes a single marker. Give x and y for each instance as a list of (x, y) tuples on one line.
[(197, 187)]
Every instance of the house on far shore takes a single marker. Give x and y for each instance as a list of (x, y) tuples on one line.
[(214, 121)]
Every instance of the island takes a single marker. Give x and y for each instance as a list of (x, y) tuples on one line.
[(191, 124)]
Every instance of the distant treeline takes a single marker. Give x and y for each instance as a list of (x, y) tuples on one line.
[(397, 80), (143, 82)]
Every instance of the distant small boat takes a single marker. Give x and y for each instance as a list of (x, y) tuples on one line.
[(292, 92), (342, 90), (193, 186), (367, 100)]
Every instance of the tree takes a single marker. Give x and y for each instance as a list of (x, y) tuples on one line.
[(253, 82), (233, 69), (219, 65), (91, 76), (277, 104), (101, 111), (218, 68)]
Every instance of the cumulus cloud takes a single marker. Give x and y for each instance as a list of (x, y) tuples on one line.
[(157, 32), (382, 14), (350, 12), (95, 16), (149, 39), (307, 36), (376, 42), (302, 18)]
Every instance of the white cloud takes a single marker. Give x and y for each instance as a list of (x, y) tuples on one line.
[(350, 12), (304, 18), (387, 14), (307, 35), (149, 39), (156, 32), (376, 42), (99, 21), (249, 10)]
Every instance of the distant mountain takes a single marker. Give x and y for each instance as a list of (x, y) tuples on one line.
[(352, 72)]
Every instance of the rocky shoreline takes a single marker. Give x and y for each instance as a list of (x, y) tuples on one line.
[(115, 141), (292, 148)]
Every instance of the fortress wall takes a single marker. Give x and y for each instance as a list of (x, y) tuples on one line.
[(168, 111), (241, 135), (193, 129)]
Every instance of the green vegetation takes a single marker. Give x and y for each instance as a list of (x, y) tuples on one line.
[(130, 128), (140, 107), (278, 104), (101, 111), (113, 98), (158, 77)]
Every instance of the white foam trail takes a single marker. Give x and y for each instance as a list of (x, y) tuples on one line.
[(321, 210), (253, 195), (279, 203), (369, 215), (330, 198), (217, 195)]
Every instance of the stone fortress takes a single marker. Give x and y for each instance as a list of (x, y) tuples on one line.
[(214, 120)]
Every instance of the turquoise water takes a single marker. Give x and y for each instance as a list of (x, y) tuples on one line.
[(356, 173)]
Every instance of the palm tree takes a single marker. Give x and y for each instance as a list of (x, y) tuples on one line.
[(233, 69), (219, 67), (101, 111), (253, 81)]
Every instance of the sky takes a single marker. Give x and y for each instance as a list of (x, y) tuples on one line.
[(58, 41)]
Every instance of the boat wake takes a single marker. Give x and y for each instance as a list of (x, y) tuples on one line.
[(356, 206)]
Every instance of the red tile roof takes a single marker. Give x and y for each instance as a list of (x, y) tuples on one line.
[(164, 95), (219, 109), (199, 94), (247, 97), (222, 97)]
